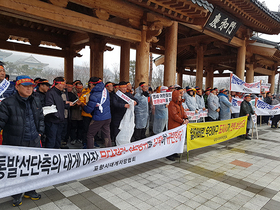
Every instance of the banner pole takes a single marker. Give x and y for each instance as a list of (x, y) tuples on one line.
[(187, 156)]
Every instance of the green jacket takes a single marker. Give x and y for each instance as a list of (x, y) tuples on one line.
[(246, 108)]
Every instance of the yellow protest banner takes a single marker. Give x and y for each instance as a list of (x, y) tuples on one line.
[(205, 134)]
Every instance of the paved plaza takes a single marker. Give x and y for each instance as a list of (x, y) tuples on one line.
[(237, 174)]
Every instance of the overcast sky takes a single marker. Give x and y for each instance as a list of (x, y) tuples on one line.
[(112, 58)]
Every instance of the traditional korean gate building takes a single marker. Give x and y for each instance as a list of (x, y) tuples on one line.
[(176, 29)]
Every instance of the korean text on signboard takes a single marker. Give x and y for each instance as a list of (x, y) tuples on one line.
[(222, 23)]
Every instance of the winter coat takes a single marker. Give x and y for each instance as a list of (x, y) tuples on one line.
[(84, 98), (225, 105), (246, 108), (13, 118), (141, 110), (190, 102), (176, 113), (268, 100), (76, 110), (160, 118), (119, 109), (53, 97), (94, 99), (200, 101), (41, 96), (213, 105)]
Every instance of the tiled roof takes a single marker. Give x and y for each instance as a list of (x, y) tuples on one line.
[(265, 41), (205, 4), (273, 15)]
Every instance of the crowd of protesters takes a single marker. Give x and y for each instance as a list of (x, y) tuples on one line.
[(84, 114)]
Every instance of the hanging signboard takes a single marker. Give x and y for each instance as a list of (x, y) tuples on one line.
[(222, 23)]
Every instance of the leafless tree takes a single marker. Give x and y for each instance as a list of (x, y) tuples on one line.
[(157, 79)]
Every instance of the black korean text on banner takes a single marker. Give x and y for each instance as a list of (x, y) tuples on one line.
[(25, 168), (222, 23), (161, 98)]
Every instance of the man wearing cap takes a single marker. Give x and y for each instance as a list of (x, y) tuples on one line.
[(54, 121), (225, 105), (22, 121), (190, 100), (6, 88), (213, 106), (120, 106), (99, 107), (247, 110), (43, 86), (199, 99), (141, 111)]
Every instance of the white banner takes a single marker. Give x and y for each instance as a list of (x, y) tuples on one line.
[(265, 87), (236, 102), (25, 168), (263, 108), (123, 96), (161, 98), (196, 116), (237, 85)]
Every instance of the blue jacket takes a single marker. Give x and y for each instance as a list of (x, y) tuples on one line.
[(225, 105), (94, 98)]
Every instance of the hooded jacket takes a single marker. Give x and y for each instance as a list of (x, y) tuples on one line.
[(176, 113), (141, 110), (213, 105), (225, 105), (94, 99), (200, 101), (190, 102)]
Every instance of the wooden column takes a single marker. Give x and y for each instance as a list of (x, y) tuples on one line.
[(68, 67), (210, 77), (180, 76), (170, 57), (125, 61), (142, 59), (97, 44), (199, 65), (241, 58), (271, 80), (250, 73)]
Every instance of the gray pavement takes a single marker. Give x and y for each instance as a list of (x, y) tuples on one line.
[(237, 174)]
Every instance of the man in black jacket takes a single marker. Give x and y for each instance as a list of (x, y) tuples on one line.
[(54, 121), (247, 110), (22, 121), (119, 107), (42, 87)]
